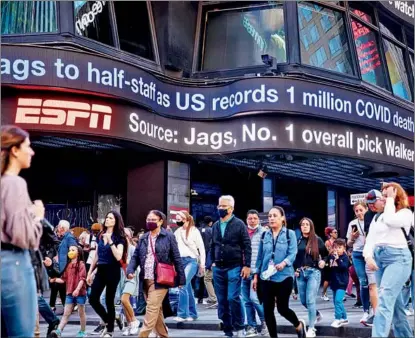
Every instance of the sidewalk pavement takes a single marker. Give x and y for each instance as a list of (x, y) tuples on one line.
[(208, 319)]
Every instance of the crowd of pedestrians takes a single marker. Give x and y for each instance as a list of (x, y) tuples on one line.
[(246, 268)]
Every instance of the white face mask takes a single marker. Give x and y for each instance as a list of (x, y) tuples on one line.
[(253, 228)]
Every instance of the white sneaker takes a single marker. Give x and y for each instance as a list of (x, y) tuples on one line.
[(180, 319), (135, 327), (336, 324), (127, 331), (325, 298), (365, 318), (344, 322), (240, 333), (409, 312), (190, 319), (311, 333)]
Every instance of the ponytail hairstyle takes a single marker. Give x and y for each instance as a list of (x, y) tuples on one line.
[(282, 212), (11, 136), (189, 219), (312, 244)]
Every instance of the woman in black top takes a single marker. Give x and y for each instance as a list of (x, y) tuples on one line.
[(310, 258), (111, 253)]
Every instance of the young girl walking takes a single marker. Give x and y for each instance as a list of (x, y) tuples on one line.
[(75, 278)]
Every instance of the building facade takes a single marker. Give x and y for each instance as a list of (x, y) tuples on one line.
[(168, 105)]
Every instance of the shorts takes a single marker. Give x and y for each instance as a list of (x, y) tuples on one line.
[(371, 276), (80, 300)]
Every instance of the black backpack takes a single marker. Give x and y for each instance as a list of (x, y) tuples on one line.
[(410, 240)]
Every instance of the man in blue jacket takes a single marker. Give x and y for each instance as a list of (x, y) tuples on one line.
[(231, 257), (67, 241)]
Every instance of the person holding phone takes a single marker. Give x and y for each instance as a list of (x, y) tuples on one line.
[(356, 238)]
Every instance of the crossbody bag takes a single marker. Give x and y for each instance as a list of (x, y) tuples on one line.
[(165, 273)]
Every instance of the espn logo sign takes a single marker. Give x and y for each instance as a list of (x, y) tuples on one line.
[(60, 112)]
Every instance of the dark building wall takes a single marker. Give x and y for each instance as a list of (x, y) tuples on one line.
[(146, 191), (175, 23)]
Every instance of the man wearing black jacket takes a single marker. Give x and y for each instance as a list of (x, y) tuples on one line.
[(231, 259)]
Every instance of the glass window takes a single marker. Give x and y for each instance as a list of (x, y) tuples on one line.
[(306, 13), (325, 35), (410, 39), (397, 70), (319, 57), (25, 17), (411, 58), (238, 38), (133, 27), (325, 23), (314, 34), (331, 208), (305, 42), (92, 20), (335, 45), (341, 67), (390, 28), (368, 54), (363, 11)]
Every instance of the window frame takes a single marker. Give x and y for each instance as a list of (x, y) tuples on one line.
[(350, 41), (205, 9)]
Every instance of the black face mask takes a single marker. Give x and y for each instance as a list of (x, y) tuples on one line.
[(180, 223)]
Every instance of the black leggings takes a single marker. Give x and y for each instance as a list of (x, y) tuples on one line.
[(281, 291), (107, 276), (56, 288)]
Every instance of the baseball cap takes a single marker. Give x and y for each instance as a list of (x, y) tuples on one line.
[(373, 195)]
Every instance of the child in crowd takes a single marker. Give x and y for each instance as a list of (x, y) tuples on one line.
[(75, 278), (339, 278)]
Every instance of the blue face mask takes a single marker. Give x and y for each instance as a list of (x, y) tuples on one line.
[(222, 213)]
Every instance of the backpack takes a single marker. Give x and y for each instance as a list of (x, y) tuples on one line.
[(410, 240), (288, 237)]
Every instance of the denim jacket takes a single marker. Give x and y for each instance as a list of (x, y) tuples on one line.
[(285, 250)]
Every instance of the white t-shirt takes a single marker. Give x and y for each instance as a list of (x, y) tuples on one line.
[(359, 243), (386, 230), (195, 242)]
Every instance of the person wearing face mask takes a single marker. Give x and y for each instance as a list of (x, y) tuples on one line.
[(231, 256), (156, 246), (249, 296), (75, 278), (386, 252), (192, 251), (275, 272), (110, 256)]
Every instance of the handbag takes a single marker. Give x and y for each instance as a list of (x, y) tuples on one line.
[(165, 273)]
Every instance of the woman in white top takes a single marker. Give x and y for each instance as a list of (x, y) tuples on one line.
[(192, 252), (386, 252)]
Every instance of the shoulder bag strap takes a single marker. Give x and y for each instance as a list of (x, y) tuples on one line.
[(191, 249), (152, 248)]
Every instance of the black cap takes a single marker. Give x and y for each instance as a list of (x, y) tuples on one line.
[(207, 219)]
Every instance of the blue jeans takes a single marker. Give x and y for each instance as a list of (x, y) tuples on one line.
[(251, 302), (187, 304), (359, 266), (227, 283), (395, 267), (45, 311), (339, 310), (308, 284), (409, 291), (18, 294)]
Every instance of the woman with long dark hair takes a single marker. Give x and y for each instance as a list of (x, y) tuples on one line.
[(21, 230), (111, 254), (157, 246), (274, 266), (310, 259)]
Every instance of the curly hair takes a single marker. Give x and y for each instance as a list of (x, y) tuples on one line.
[(401, 199)]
